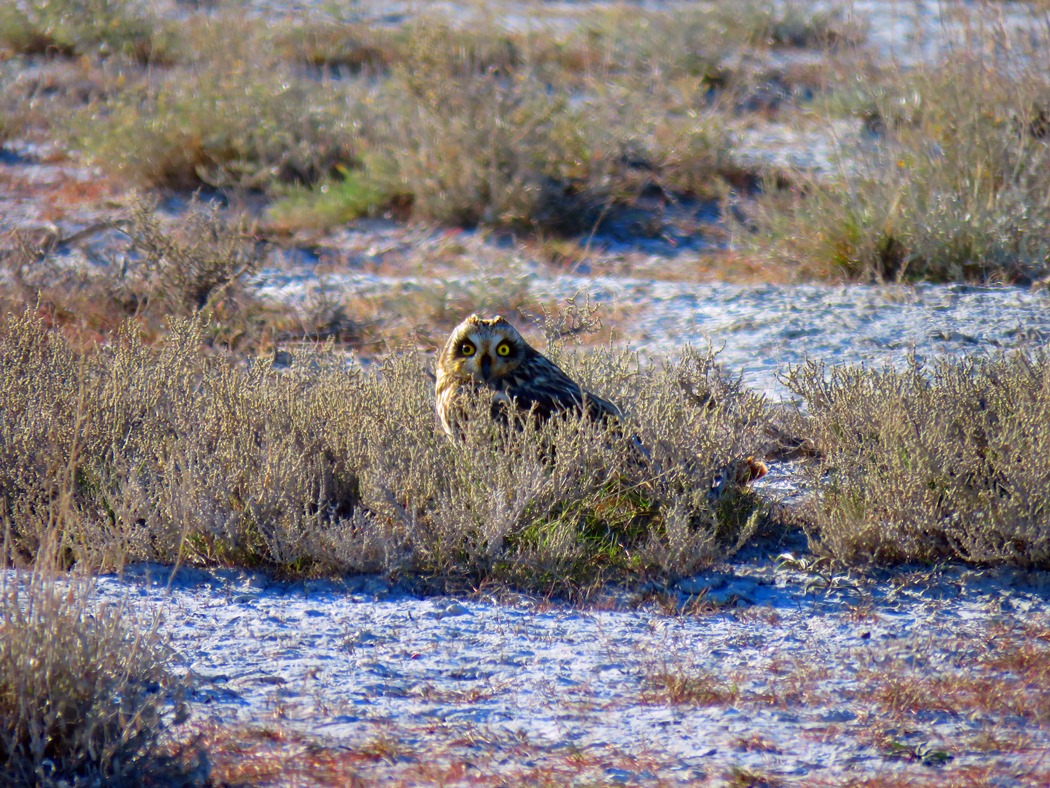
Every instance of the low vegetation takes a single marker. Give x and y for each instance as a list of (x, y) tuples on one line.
[(544, 130), (930, 464), (156, 398), (153, 412), (74, 28), (154, 407), (239, 121), (198, 266), (551, 127), (951, 187), (86, 694), (177, 452), (466, 132)]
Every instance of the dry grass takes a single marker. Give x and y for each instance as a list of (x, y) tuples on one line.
[(930, 464), (541, 130), (471, 129), (997, 683), (675, 686), (174, 450), (237, 756), (914, 465), (446, 754), (954, 188), (85, 690), (100, 28), (198, 265), (237, 119), (550, 129)]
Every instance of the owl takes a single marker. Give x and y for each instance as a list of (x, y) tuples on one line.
[(490, 353)]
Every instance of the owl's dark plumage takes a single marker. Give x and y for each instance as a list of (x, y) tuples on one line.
[(490, 353)]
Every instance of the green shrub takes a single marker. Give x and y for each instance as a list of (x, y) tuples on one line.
[(349, 195), (931, 464)]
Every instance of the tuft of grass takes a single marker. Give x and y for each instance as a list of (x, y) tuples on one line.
[(349, 195), (743, 777), (85, 689), (85, 27), (954, 189), (930, 464), (691, 688), (343, 47)]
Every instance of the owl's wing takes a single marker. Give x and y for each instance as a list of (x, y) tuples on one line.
[(549, 390), (598, 408)]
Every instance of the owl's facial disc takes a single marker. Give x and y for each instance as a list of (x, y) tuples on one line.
[(483, 358)]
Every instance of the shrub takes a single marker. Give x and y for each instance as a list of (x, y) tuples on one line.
[(239, 119), (488, 126), (955, 189), (931, 464), (150, 271), (349, 47), (169, 451), (472, 148), (697, 41), (84, 27), (446, 140), (83, 687), (497, 505)]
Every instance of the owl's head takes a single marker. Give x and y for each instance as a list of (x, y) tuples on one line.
[(483, 350)]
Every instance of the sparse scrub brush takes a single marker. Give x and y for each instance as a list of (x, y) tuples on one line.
[(240, 119), (85, 689), (954, 191), (173, 450), (931, 464), (84, 27), (152, 270)]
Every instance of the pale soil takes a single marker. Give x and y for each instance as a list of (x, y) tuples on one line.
[(804, 674)]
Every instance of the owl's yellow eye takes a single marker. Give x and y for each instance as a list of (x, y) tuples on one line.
[(503, 350), (466, 349)]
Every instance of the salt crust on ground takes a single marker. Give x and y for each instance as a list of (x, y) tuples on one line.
[(794, 660)]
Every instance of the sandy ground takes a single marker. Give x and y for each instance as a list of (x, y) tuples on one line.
[(793, 676)]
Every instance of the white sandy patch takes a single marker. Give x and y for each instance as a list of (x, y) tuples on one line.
[(796, 662)]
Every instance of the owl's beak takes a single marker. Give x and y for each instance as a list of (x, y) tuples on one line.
[(486, 367)]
